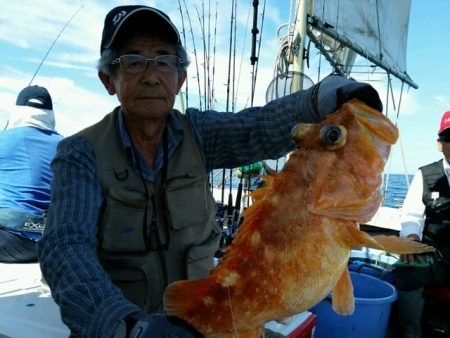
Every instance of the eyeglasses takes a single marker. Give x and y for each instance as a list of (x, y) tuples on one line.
[(134, 63)]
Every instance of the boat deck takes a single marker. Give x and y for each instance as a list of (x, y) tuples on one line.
[(27, 308)]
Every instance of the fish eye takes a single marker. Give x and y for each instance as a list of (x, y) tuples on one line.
[(333, 136)]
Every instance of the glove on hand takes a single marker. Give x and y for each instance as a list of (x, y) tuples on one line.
[(335, 90), (162, 326)]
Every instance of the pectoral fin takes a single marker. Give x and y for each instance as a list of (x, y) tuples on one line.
[(400, 245), (342, 296)]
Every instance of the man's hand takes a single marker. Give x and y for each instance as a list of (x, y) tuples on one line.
[(416, 259), (334, 90), (157, 326)]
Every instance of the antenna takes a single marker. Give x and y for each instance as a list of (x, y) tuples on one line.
[(48, 51)]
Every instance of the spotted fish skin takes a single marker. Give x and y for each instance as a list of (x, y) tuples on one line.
[(293, 247)]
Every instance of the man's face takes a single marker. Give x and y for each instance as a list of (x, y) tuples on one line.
[(149, 94), (445, 148)]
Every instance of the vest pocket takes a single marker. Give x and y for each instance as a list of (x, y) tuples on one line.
[(187, 201), (200, 258), (121, 227)]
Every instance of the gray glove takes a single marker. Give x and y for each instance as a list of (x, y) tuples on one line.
[(154, 326), (334, 90)]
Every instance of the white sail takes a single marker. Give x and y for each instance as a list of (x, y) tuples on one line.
[(375, 29)]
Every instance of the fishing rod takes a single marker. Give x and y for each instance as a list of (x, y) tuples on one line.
[(48, 51), (256, 57), (209, 54), (231, 68), (202, 29), (233, 87), (184, 43), (228, 93), (195, 54), (214, 60), (242, 57)]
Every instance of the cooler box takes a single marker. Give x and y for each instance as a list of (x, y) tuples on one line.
[(373, 300), (299, 326)]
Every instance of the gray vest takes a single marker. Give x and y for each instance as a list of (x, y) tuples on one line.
[(150, 234)]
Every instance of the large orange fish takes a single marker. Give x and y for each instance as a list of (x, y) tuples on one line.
[(294, 244)]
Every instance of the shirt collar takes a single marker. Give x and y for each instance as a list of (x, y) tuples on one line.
[(174, 137)]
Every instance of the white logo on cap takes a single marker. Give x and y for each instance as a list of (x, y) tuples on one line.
[(119, 17)]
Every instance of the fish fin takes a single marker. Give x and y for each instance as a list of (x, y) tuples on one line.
[(400, 245), (184, 297), (258, 194), (342, 296)]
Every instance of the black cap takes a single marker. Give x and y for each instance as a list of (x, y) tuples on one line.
[(35, 96), (115, 19)]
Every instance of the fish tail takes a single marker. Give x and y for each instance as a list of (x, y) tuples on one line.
[(400, 245)]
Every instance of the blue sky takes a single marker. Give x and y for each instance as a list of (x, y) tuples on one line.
[(29, 27)]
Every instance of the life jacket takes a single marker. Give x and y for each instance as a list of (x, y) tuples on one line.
[(151, 234), (436, 197)]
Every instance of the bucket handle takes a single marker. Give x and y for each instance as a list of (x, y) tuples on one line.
[(374, 267)]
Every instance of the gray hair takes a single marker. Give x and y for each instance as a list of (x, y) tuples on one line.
[(110, 54)]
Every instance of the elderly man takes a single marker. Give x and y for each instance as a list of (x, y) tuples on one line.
[(27, 146), (131, 207)]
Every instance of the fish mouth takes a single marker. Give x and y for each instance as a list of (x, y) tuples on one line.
[(377, 124)]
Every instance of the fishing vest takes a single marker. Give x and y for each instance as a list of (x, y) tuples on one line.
[(151, 234), (436, 197)]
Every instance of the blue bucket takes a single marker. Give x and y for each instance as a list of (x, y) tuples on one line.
[(373, 300)]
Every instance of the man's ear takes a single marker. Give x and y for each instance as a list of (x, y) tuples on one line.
[(181, 79), (439, 145), (107, 82)]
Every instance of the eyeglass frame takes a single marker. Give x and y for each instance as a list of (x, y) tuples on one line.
[(118, 61)]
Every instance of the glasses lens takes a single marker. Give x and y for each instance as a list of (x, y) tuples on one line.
[(167, 63), (133, 63)]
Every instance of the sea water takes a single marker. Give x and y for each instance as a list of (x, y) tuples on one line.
[(394, 188)]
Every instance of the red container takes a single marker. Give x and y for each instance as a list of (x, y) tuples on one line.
[(299, 326)]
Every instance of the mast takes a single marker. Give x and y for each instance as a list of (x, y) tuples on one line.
[(299, 43)]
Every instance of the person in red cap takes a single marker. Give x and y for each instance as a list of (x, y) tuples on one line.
[(132, 210), (27, 145), (426, 218)]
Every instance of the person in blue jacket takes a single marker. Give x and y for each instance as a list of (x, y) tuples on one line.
[(27, 146)]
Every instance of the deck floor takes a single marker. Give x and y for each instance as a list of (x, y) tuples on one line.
[(27, 308)]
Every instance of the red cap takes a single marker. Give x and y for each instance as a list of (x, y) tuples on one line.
[(445, 122)]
